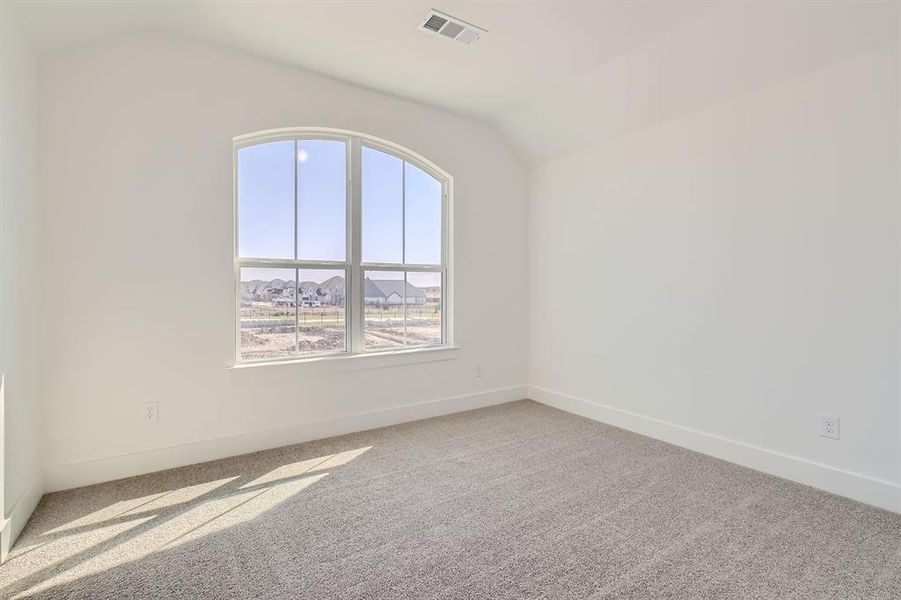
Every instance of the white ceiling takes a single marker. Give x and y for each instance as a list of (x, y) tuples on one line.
[(553, 75), (530, 47), (735, 49)]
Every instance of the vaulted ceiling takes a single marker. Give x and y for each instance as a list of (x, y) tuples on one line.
[(553, 75)]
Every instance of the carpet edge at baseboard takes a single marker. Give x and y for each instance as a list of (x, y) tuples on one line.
[(857, 486), (88, 472), (18, 517)]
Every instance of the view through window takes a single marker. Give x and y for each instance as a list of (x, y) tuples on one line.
[(326, 265)]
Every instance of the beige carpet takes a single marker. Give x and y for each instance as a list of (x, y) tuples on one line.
[(514, 501)]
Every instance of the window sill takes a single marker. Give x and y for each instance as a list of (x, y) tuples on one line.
[(368, 360)]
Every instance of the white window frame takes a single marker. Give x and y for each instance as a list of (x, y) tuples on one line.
[(353, 266)]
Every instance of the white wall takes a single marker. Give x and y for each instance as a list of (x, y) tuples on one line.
[(137, 259), (728, 259), (19, 409), (734, 272)]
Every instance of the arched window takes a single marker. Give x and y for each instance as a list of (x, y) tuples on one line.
[(341, 246)]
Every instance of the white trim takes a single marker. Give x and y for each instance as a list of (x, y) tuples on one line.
[(290, 133), (18, 517), (236, 320), (6, 541), (864, 488), (76, 474), (3, 522), (450, 271), (340, 361)]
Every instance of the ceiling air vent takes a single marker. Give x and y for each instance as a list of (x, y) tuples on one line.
[(451, 27)]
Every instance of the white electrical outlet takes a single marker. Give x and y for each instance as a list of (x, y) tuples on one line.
[(479, 371), (150, 412), (830, 427)]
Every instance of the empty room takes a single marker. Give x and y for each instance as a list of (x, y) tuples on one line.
[(556, 299)]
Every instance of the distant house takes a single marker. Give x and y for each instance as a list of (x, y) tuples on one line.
[(257, 290), (278, 288), (330, 292), (391, 292), (333, 289)]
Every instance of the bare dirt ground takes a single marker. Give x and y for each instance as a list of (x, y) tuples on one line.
[(278, 342), (258, 344), (383, 338)]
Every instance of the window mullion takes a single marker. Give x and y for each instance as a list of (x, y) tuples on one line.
[(403, 235), (403, 213), (296, 256), (405, 308), (446, 267), (401, 267), (354, 282), (287, 263)]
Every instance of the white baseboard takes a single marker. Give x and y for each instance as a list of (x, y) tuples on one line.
[(18, 516), (870, 490), (77, 474)]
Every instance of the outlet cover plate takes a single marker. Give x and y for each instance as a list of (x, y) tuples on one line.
[(150, 412), (830, 427)]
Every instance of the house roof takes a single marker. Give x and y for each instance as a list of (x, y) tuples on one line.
[(378, 288), (258, 286), (382, 288)]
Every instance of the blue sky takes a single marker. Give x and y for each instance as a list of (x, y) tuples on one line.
[(266, 204)]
